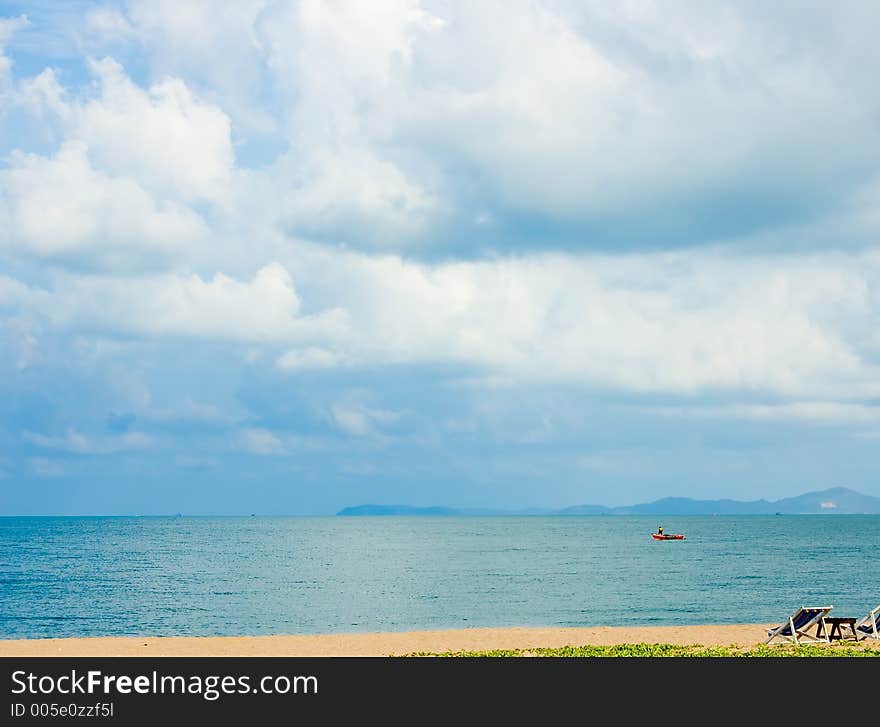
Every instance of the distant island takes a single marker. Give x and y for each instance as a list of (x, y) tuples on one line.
[(835, 501)]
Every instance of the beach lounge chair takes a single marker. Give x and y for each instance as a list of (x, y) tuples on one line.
[(869, 627), (796, 625)]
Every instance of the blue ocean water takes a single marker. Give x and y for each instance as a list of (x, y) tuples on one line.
[(227, 576)]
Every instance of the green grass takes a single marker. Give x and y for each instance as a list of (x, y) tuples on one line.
[(694, 650)]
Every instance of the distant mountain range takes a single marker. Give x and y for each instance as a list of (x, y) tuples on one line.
[(836, 501)]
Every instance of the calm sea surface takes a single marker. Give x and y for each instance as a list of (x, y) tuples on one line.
[(225, 576)]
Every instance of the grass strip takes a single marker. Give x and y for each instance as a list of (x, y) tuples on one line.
[(672, 650)]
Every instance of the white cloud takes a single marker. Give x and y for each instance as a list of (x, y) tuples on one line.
[(265, 442), (44, 96), (15, 294), (357, 419), (260, 441), (351, 195), (336, 62), (684, 322), (164, 137), (8, 26), (79, 443), (217, 47), (397, 119), (662, 123), (118, 192), (352, 421), (108, 25), (308, 358), (820, 412), (403, 122), (687, 322), (64, 209), (264, 308)]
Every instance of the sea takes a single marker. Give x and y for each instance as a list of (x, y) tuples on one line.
[(102, 576)]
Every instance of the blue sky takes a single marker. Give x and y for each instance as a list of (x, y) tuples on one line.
[(285, 257)]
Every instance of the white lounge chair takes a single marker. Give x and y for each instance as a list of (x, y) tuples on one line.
[(797, 624), (869, 627)]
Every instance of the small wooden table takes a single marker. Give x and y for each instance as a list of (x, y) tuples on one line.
[(835, 622)]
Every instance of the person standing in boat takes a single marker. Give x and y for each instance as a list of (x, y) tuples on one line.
[(660, 530)]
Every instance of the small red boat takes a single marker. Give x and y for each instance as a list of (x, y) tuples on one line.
[(677, 536)]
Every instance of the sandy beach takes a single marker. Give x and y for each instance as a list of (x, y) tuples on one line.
[(391, 644)]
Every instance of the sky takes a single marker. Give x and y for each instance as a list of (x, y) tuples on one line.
[(286, 257)]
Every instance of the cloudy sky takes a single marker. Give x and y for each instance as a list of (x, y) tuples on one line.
[(284, 257)]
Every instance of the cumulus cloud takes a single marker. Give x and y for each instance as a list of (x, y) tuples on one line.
[(682, 322), (218, 48), (341, 183), (649, 126), (119, 192), (221, 307), (44, 96), (361, 191), (406, 127), (164, 137), (352, 196), (62, 208)]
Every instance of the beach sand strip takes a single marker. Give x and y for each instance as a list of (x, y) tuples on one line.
[(389, 644)]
